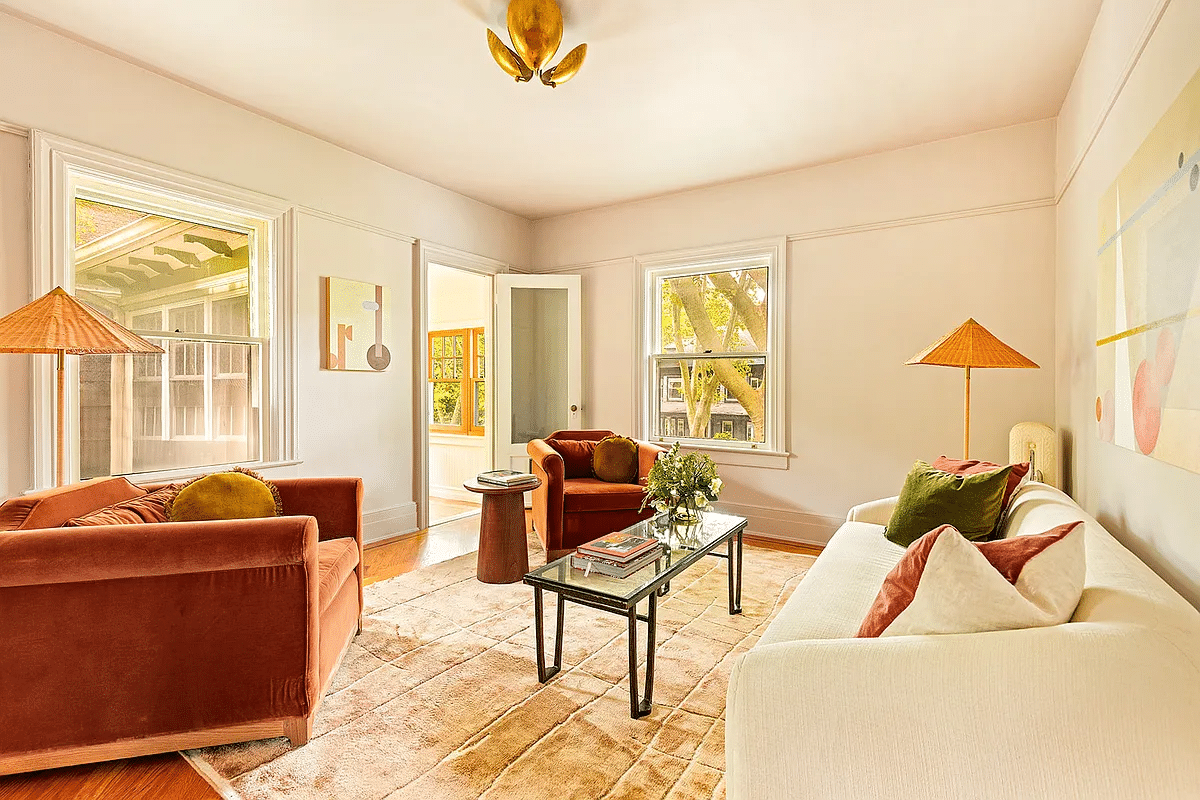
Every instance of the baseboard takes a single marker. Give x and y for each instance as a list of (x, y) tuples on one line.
[(386, 523), (784, 525)]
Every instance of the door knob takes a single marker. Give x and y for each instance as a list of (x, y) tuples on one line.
[(574, 407)]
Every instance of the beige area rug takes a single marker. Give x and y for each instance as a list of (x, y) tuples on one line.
[(438, 698)]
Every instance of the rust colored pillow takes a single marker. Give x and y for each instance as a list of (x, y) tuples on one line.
[(1016, 477), (615, 460), (576, 455), (150, 507), (947, 584)]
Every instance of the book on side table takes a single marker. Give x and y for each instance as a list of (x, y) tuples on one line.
[(617, 555), (506, 477)]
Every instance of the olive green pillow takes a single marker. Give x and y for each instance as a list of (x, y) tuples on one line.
[(240, 494), (615, 460), (932, 498)]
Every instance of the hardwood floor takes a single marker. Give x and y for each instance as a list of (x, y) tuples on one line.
[(149, 778), (170, 775)]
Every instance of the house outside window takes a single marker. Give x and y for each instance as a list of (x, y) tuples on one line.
[(192, 266), (457, 375), (713, 345)]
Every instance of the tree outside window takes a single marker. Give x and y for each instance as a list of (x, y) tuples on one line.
[(457, 373), (711, 356)]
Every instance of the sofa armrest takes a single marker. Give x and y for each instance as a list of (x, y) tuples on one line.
[(134, 631), (1077, 710), (336, 503), (114, 552), (647, 454), (876, 512), (547, 499)]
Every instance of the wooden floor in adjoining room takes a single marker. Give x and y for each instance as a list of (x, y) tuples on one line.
[(170, 775)]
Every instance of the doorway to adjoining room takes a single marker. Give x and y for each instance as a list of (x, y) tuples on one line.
[(458, 349)]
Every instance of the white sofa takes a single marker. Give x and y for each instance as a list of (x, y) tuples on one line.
[(1105, 706)]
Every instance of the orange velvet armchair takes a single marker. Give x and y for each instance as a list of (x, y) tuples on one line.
[(571, 506), (124, 640)]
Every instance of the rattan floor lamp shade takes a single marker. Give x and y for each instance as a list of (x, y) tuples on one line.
[(58, 323), (971, 345)]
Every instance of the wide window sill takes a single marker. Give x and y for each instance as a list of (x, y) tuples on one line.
[(457, 439), (187, 473), (732, 456)]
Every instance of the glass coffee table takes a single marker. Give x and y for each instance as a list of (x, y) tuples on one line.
[(683, 545)]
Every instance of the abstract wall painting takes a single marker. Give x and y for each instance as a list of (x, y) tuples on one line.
[(358, 324), (1148, 294)]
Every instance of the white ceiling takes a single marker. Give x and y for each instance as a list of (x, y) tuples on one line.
[(675, 94)]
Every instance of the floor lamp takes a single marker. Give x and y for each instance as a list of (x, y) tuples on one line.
[(58, 323), (971, 345)]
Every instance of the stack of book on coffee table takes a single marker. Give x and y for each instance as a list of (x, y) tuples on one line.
[(617, 555)]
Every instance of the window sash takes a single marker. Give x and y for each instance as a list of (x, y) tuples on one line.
[(770, 254), (473, 364)]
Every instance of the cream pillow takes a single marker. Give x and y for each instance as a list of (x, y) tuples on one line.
[(947, 584)]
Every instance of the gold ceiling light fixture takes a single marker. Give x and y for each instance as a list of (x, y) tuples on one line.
[(536, 30)]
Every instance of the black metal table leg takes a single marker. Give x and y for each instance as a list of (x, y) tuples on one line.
[(735, 572), (640, 708), (544, 673)]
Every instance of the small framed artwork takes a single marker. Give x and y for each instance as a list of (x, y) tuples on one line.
[(358, 325)]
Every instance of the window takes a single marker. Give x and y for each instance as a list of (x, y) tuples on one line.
[(712, 342), (194, 267), (457, 375)]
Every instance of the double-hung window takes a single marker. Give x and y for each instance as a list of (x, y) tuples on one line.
[(457, 374), (713, 344), (195, 267)]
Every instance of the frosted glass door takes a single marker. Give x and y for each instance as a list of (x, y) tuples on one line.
[(537, 361)]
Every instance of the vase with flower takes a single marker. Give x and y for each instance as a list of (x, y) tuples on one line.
[(681, 485)]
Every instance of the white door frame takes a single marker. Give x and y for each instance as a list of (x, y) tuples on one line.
[(432, 253)]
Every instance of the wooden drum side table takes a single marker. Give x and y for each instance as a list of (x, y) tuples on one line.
[(503, 552)]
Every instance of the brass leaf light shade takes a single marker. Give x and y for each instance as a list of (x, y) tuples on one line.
[(971, 345), (536, 30), (58, 323)]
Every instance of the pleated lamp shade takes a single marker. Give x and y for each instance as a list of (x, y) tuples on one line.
[(58, 323), (971, 345)]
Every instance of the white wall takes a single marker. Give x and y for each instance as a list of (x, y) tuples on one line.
[(458, 299), (1151, 506), (355, 217), (886, 254)]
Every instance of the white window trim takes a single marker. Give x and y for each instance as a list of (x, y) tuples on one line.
[(58, 167), (773, 452)]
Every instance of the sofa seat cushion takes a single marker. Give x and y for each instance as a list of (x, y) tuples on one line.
[(336, 560), (53, 507), (832, 600), (592, 494)]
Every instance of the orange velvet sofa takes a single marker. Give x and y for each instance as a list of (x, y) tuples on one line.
[(572, 507), (124, 640)]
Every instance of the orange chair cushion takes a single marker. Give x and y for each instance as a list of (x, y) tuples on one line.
[(336, 560), (615, 460), (593, 494), (576, 455)]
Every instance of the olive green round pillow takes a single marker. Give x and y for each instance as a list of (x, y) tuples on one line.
[(240, 494), (615, 460)]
